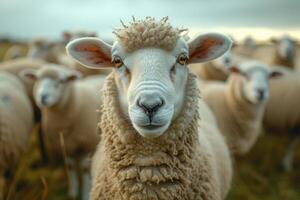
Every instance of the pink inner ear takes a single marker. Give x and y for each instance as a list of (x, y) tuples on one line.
[(205, 47), (275, 74), (30, 76), (93, 53), (234, 69)]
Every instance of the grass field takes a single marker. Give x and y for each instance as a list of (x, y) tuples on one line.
[(257, 176)]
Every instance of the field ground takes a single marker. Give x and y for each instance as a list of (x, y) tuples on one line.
[(257, 176)]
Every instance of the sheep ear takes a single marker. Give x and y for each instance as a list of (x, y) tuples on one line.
[(276, 74), (273, 40), (73, 76), (207, 47), (67, 35), (28, 74), (234, 69), (90, 52)]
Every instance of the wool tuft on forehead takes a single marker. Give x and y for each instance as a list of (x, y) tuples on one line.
[(52, 71), (148, 33)]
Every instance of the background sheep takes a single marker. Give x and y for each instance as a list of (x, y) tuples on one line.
[(285, 52), (239, 104), (16, 123), (282, 114), (213, 70), (68, 110), (54, 52), (152, 146), (15, 51)]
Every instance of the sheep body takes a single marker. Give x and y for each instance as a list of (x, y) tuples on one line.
[(190, 161), (16, 120), (75, 118), (238, 119), (208, 71), (16, 66), (14, 52), (282, 110)]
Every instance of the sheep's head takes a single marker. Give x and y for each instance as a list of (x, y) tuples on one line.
[(44, 49), (150, 65), (285, 47), (50, 83), (256, 77), (224, 62)]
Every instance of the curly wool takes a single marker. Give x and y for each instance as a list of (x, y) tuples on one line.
[(178, 165), (148, 33)]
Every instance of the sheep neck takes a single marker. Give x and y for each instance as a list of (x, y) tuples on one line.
[(61, 109), (244, 113), (214, 73), (279, 60), (137, 168)]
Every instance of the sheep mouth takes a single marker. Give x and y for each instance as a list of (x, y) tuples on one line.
[(151, 126)]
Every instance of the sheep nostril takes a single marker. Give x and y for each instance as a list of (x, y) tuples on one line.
[(43, 100), (227, 60), (261, 94), (150, 107)]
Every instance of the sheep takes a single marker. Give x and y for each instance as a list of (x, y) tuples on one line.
[(282, 113), (68, 110), (54, 52), (239, 103), (15, 51), (16, 123), (285, 52), (17, 65), (68, 36), (213, 70), (158, 138)]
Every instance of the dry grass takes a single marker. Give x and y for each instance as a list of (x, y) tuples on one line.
[(258, 175)]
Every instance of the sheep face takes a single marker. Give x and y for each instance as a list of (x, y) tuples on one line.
[(151, 81), (50, 84), (43, 49), (224, 61), (255, 80), (286, 48)]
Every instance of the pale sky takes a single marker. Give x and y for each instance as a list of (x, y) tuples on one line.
[(261, 18)]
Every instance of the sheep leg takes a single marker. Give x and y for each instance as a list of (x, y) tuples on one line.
[(73, 179), (86, 178), (287, 161)]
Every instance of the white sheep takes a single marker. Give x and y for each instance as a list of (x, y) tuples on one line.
[(213, 70), (68, 109), (54, 52), (15, 51), (239, 103), (16, 123), (282, 114), (17, 65), (158, 139), (285, 52)]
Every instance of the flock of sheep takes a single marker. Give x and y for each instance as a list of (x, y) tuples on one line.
[(161, 114)]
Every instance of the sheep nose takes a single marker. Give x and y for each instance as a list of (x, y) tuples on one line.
[(261, 94), (44, 97), (227, 60), (150, 104)]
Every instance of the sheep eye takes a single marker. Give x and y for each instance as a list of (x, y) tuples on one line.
[(117, 61), (182, 59)]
